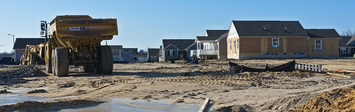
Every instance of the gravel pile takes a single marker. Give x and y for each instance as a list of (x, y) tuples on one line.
[(16, 76), (27, 71)]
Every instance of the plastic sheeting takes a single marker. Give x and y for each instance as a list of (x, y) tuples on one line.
[(235, 68)]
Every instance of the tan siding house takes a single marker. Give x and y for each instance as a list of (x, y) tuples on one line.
[(323, 43), (279, 39), (266, 39)]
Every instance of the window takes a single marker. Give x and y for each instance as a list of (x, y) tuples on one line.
[(275, 42), (318, 45), (238, 44), (230, 44), (171, 53), (234, 50)]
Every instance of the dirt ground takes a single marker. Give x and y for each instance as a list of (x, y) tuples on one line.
[(186, 83)]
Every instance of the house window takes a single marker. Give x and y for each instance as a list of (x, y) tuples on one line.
[(234, 50), (171, 53), (238, 44), (318, 45), (230, 44), (275, 42)]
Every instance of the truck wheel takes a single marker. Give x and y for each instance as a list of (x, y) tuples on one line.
[(32, 59), (106, 60), (89, 68), (61, 63), (48, 64), (53, 62)]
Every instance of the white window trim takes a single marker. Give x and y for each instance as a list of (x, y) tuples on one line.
[(278, 42), (315, 45), (171, 52)]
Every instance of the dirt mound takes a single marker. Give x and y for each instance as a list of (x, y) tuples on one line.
[(4, 91), (234, 108), (16, 76), (342, 99), (27, 71), (35, 106), (97, 84)]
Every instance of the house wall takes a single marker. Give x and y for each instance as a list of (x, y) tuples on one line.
[(261, 47), (222, 45), (330, 47), (167, 53), (249, 45), (18, 55), (230, 54), (126, 57)]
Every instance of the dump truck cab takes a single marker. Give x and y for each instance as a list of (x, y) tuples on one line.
[(76, 40)]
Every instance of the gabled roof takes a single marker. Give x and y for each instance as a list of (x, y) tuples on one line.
[(135, 50), (192, 45), (269, 28), (322, 33), (212, 35), (153, 51), (21, 43), (344, 40), (179, 43), (351, 41), (217, 33), (116, 46)]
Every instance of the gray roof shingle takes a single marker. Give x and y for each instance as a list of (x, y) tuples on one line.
[(21, 43), (351, 41), (213, 34), (179, 43), (344, 40), (270, 28), (322, 33)]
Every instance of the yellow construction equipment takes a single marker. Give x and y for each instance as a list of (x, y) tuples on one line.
[(76, 40)]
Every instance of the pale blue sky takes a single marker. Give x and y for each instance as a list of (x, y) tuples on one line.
[(144, 23)]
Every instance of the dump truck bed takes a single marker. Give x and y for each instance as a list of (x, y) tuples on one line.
[(99, 29)]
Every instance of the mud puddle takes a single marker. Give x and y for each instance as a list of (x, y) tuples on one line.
[(128, 105)]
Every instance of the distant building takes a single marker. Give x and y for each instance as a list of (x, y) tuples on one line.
[(20, 45), (347, 46), (175, 49), (213, 45), (120, 55), (152, 54)]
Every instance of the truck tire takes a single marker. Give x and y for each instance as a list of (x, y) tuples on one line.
[(32, 59), (89, 68), (105, 60), (48, 63), (53, 61), (61, 62)]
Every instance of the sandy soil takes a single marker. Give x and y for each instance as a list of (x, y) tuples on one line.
[(192, 83)]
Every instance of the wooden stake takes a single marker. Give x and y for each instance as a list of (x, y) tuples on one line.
[(203, 107)]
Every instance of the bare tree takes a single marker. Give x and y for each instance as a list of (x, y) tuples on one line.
[(349, 32)]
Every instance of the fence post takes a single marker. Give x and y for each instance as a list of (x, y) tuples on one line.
[(298, 65), (320, 68)]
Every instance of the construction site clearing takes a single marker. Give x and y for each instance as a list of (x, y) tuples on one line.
[(208, 84)]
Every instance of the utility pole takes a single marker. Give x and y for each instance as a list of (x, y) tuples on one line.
[(13, 39)]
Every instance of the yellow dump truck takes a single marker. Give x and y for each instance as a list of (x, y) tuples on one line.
[(33, 54), (76, 40)]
